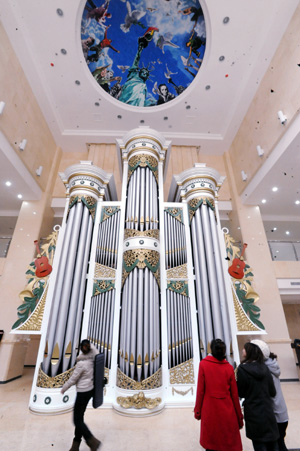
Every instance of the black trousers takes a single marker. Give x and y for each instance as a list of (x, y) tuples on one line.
[(81, 402), (282, 428), (267, 446)]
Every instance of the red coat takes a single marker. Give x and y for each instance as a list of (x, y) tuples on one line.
[(218, 406)]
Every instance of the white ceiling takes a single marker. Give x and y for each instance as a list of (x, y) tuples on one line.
[(208, 118)]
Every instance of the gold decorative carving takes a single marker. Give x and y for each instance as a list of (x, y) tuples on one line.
[(182, 393), (138, 401), (141, 255), (194, 203), (45, 381), (142, 160), (129, 233), (34, 322), (127, 383), (183, 373), (243, 322), (104, 272), (179, 272), (33, 296), (89, 201)]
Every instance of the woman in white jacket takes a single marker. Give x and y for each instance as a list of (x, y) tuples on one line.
[(83, 378), (279, 405)]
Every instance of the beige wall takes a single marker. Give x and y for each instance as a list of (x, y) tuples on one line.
[(286, 270), (261, 125), (22, 117)]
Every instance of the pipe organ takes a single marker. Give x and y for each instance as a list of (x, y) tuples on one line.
[(145, 280)]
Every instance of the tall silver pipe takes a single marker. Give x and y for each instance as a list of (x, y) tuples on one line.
[(139, 341), (221, 282), (134, 292), (213, 282), (112, 311), (75, 293), (146, 353), (57, 292), (198, 284), (204, 279), (169, 327), (65, 293)]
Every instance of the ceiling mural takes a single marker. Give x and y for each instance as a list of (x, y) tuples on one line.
[(143, 52)]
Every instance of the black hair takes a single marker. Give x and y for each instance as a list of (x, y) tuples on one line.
[(218, 349), (85, 342), (253, 353), (272, 356)]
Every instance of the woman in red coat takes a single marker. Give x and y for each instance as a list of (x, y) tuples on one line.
[(217, 402)]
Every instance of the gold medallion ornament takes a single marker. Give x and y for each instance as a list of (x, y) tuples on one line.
[(138, 401), (58, 381)]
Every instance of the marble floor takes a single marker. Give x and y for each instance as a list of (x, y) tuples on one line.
[(172, 430)]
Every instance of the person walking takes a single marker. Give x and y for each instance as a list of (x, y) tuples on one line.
[(83, 378), (217, 402), (279, 405), (256, 386)]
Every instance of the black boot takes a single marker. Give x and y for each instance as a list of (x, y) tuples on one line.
[(75, 445), (93, 443)]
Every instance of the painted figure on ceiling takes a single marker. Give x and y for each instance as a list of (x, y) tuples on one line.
[(134, 91)]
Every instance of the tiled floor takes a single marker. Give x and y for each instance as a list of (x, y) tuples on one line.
[(172, 430)]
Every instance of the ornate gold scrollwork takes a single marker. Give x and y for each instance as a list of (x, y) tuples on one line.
[(179, 286), (242, 320), (183, 373), (196, 202), (104, 272), (141, 258), (34, 322), (138, 401), (58, 381), (182, 393), (142, 160), (89, 201), (179, 272), (129, 233), (127, 383)]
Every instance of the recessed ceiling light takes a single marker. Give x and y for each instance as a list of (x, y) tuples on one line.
[(263, 201), (287, 232), (8, 183), (207, 87), (34, 212), (274, 189), (297, 202), (188, 107), (19, 196), (275, 228)]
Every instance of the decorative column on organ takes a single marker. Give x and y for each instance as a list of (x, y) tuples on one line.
[(86, 186), (198, 188), (143, 153)]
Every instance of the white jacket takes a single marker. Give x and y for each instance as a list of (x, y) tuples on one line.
[(83, 375)]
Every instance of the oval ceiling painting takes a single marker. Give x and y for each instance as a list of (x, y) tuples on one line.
[(143, 52)]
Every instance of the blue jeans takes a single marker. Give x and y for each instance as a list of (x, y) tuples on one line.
[(81, 402)]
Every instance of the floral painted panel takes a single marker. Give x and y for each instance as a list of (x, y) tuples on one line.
[(146, 52)]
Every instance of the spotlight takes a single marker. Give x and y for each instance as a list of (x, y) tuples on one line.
[(282, 117), (39, 171), (244, 176), (2, 105), (260, 151), (22, 144)]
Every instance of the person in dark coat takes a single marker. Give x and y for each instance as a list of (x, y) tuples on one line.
[(256, 385), (217, 402), (279, 405)]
